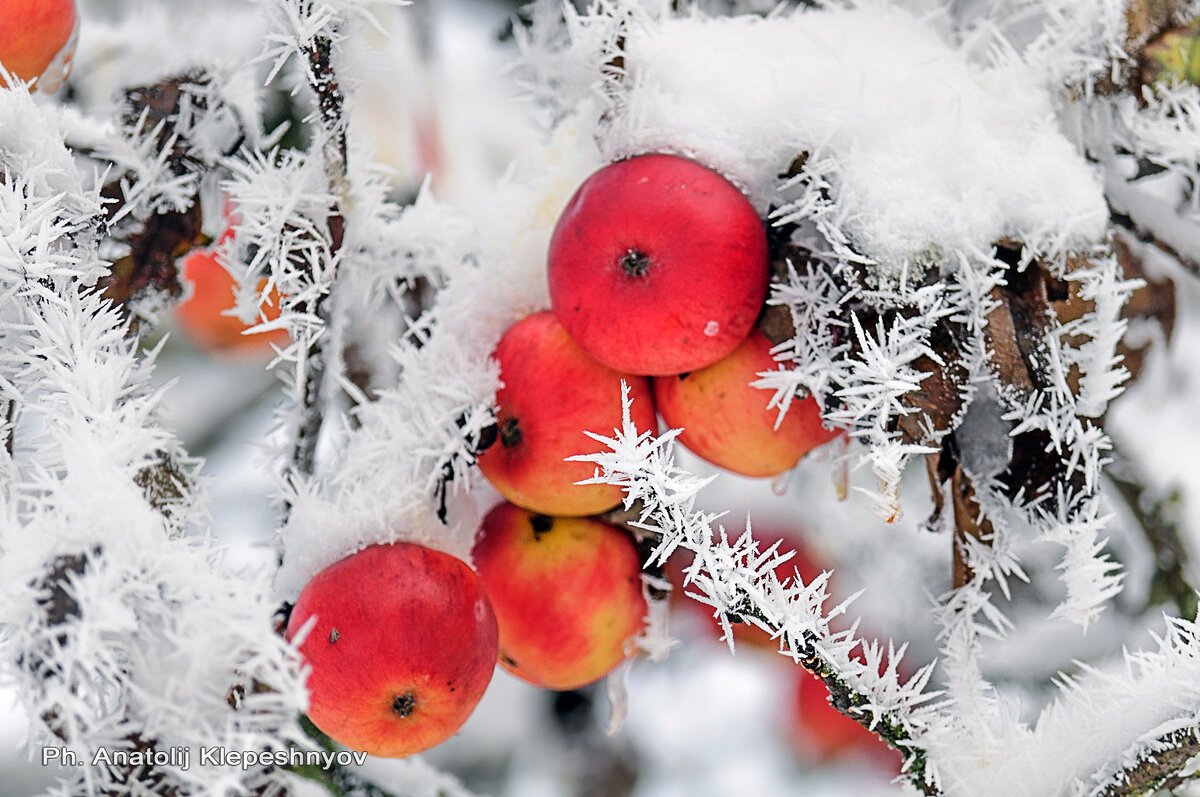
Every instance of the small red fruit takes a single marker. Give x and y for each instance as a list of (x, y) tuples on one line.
[(403, 647), (553, 392), (205, 313), (822, 731), (658, 266), (726, 421), (34, 34), (567, 594)]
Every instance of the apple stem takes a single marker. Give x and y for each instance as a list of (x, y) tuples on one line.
[(404, 704), (635, 263), (510, 433)]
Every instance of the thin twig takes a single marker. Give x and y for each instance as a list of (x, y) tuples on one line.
[(1159, 770), (10, 414), (1158, 518), (330, 106), (1147, 237)]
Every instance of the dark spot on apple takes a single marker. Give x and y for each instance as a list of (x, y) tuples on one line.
[(510, 433), (334, 636), (508, 660), (540, 525), (403, 705), (635, 263)]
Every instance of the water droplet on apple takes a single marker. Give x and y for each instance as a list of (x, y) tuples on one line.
[(779, 483), (480, 611), (712, 328)]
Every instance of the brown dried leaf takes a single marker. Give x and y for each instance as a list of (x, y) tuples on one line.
[(1016, 332), (150, 265), (939, 401), (1145, 19), (969, 522)]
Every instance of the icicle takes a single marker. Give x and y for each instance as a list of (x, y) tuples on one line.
[(616, 686)]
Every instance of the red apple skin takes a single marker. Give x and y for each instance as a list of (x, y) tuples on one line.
[(553, 392), (403, 648), (203, 315), (658, 266), (33, 33), (822, 732), (567, 594), (726, 421)]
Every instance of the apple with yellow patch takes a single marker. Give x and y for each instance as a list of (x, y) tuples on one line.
[(552, 393), (725, 419), (567, 594)]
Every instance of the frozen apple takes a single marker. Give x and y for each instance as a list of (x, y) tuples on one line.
[(658, 266), (567, 594), (402, 647), (206, 313), (552, 393), (726, 421), (37, 40)]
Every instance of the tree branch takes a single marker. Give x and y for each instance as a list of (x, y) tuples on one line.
[(1146, 236), (1158, 770), (330, 110)]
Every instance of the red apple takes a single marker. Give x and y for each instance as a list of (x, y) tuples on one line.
[(403, 647), (34, 34), (552, 393), (567, 594), (823, 732), (658, 266), (726, 421), (205, 313)]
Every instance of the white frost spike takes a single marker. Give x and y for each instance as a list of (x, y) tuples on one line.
[(738, 580), (119, 628)]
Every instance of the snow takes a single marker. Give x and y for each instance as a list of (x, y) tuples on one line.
[(933, 154)]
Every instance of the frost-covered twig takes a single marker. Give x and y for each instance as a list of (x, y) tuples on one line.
[(310, 31), (1160, 770), (741, 585), (122, 632)]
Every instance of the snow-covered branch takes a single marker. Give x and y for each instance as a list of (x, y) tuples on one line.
[(740, 583), (123, 632)]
